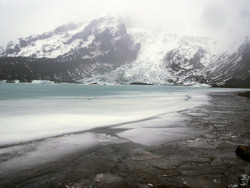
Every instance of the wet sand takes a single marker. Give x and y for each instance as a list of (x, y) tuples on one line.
[(208, 160)]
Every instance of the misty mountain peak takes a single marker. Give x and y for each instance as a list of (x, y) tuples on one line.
[(65, 38)]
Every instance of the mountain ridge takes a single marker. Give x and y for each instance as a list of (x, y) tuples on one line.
[(105, 51)]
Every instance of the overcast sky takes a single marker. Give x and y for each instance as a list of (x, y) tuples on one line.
[(20, 18)]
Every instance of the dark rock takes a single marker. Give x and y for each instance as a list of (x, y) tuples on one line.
[(65, 28), (139, 83), (244, 181), (244, 94), (243, 152)]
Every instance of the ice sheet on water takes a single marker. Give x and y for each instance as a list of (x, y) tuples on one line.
[(159, 130), (31, 119), (156, 136), (48, 117), (105, 139), (25, 119), (167, 127), (22, 128), (3, 81), (149, 117), (51, 149), (46, 151), (42, 82), (201, 85), (161, 121)]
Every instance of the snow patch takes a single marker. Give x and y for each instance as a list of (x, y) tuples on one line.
[(42, 82)]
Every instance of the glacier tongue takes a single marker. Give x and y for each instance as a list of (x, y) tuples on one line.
[(149, 66)]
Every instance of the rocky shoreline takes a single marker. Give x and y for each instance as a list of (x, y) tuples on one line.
[(244, 94), (205, 161)]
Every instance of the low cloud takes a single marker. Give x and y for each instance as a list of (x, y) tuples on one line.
[(214, 16), (25, 17)]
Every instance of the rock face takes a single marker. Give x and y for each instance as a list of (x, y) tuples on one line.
[(187, 62), (243, 152), (195, 63), (232, 70)]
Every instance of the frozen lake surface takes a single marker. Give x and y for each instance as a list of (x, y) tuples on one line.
[(43, 122)]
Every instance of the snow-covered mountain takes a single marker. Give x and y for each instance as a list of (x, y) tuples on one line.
[(152, 66), (72, 41), (178, 59), (49, 44), (231, 69), (70, 52), (105, 51)]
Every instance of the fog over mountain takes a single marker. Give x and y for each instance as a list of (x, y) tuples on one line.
[(120, 42), (207, 17)]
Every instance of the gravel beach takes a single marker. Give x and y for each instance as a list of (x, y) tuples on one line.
[(207, 160)]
